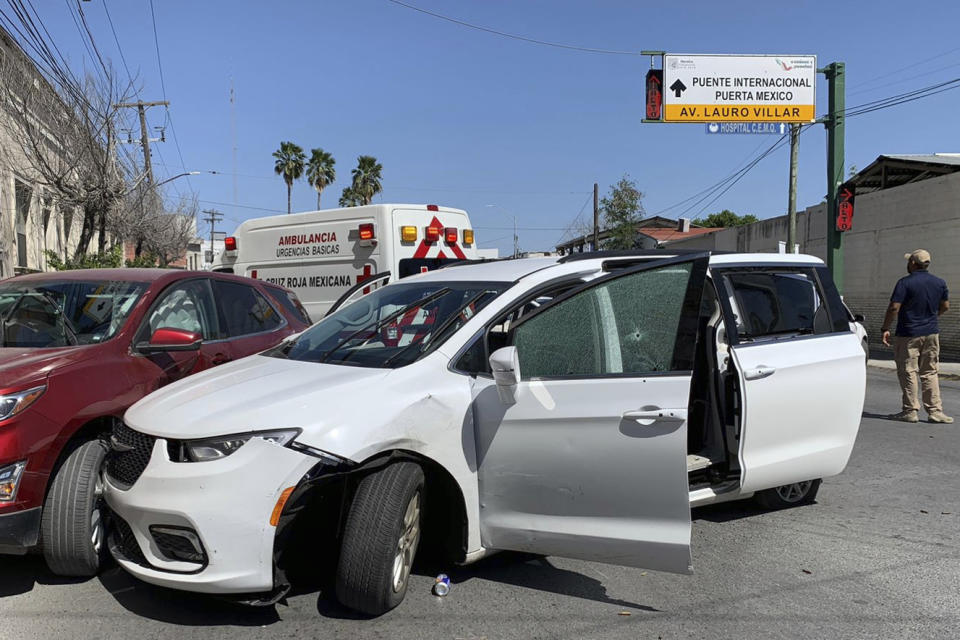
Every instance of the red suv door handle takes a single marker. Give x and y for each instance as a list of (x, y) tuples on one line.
[(219, 359)]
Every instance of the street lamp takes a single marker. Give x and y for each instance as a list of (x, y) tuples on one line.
[(516, 247), (179, 175)]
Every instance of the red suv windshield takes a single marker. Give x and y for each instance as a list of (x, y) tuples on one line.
[(62, 313)]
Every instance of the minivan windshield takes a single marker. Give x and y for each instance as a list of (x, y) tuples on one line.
[(392, 326), (61, 313)]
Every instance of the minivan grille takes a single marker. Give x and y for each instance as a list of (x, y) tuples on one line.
[(129, 455)]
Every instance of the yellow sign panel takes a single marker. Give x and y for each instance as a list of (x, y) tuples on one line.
[(738, 113), (739, 88)]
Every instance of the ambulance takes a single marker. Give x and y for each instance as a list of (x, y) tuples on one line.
[(327, 255)]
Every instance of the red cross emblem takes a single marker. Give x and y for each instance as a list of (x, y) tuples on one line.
[(363, 277)]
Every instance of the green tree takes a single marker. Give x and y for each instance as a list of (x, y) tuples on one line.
[(349, 198), (320, 171), (725, 218), (367, 179), (289, 165), (622, 210)]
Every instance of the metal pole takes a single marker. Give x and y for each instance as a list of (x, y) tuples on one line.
[(516, 247), (145, 141), (596, 217), (836, 78), (792, 198)]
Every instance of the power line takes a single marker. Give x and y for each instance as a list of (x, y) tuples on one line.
[(119, 48), (156, 43), (909, 66), (512, 35)]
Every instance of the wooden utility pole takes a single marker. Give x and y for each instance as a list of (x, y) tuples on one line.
[(792, 198), (596, 217), (144, 134)]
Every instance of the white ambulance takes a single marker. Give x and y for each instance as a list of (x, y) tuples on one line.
[(326, 255)]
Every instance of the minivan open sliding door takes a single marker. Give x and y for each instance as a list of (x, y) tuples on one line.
[(587, 458), (802, 373)]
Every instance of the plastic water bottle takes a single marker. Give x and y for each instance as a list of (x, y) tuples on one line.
[(442, 585)]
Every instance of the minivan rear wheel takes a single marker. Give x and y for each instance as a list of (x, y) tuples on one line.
[(789, 495), (380, 539), (72, 523)]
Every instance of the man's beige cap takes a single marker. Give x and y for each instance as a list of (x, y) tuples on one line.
[(920, 256)]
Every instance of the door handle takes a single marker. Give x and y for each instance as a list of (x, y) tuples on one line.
[(647, 416), (763, 371)]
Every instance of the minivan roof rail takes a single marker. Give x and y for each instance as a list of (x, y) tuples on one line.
[(634, 253)]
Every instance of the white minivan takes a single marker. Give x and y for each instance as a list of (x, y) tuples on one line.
[(575, 406), (323, 255)]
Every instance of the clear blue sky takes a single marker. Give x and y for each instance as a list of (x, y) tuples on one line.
[(469, 119)]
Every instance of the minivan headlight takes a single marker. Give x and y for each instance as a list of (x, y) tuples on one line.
[(222, 446), (13, 403)]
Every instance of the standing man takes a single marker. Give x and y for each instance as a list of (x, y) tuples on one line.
[(917, 301)]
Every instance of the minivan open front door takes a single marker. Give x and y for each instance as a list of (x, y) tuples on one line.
[(585, 457)]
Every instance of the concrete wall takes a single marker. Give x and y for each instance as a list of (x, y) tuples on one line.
[(886, 225)]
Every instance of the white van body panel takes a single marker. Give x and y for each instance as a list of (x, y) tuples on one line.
[(319, 254)]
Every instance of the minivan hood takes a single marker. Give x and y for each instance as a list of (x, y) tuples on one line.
[(20, 365), (253, 394)]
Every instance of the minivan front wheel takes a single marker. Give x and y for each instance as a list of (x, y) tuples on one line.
[(380, 539), (72, 522), (789, 495)]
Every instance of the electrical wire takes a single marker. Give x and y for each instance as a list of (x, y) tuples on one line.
[(504, 34)]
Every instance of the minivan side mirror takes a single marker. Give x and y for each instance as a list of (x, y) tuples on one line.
[(859, 317), (505, 366), (168, 339)]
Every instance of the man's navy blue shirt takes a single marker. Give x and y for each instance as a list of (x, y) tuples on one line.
[(919, 295)]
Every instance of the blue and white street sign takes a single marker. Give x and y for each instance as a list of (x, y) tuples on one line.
[(770, 128)]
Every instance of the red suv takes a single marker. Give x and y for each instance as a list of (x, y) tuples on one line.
[(76, 349)]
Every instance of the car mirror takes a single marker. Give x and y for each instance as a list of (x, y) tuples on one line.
[(505, 365), (859, 317), (168, 339)]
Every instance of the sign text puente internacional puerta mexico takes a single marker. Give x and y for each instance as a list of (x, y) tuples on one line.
[(732, 88)]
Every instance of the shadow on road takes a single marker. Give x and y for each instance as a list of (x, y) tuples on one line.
[(181, 607), (18, 574)]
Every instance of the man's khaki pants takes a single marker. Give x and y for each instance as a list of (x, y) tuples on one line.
[(917, 360)]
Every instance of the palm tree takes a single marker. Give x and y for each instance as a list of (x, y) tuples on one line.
[(320, 171), (349, 198), (290, 159), (366, 178)]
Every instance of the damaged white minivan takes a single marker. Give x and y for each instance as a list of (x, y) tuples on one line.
[(575, 406)]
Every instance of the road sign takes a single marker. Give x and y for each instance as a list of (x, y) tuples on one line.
[(731, 88), (654, 93), (769, 128)]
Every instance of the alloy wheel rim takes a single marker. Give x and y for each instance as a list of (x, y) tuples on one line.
[(407, 544), (794, 492), (96, 518)]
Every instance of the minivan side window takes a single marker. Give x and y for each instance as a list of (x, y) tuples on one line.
[(627, 326), (185, 305), (244, 310), (777, 303)]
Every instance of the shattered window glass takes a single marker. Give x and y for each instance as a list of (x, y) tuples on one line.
[(625, 326)]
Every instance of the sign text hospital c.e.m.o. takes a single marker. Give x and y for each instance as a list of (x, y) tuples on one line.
[(739, 88)]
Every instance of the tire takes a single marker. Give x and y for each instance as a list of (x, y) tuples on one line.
[(380, 539), (788, 495), (72, 522)]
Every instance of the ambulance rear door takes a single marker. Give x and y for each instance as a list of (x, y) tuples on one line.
[(443, 236)]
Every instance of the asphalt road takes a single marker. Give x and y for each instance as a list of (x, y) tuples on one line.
[(877, 556)]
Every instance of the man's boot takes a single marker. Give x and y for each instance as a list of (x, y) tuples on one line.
[(940, 416), (908, 416)]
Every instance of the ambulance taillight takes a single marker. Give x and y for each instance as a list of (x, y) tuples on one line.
[(450, 234), (408, 233), (431, 233), (230, 243), (366, 235)]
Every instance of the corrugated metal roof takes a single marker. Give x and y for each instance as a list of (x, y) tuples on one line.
[(932, 158), (889, 171)]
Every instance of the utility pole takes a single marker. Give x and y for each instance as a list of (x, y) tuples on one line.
[(144, 134), (596, 217), (213, 217), (836, 101), (792, 199), (516, 240)]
